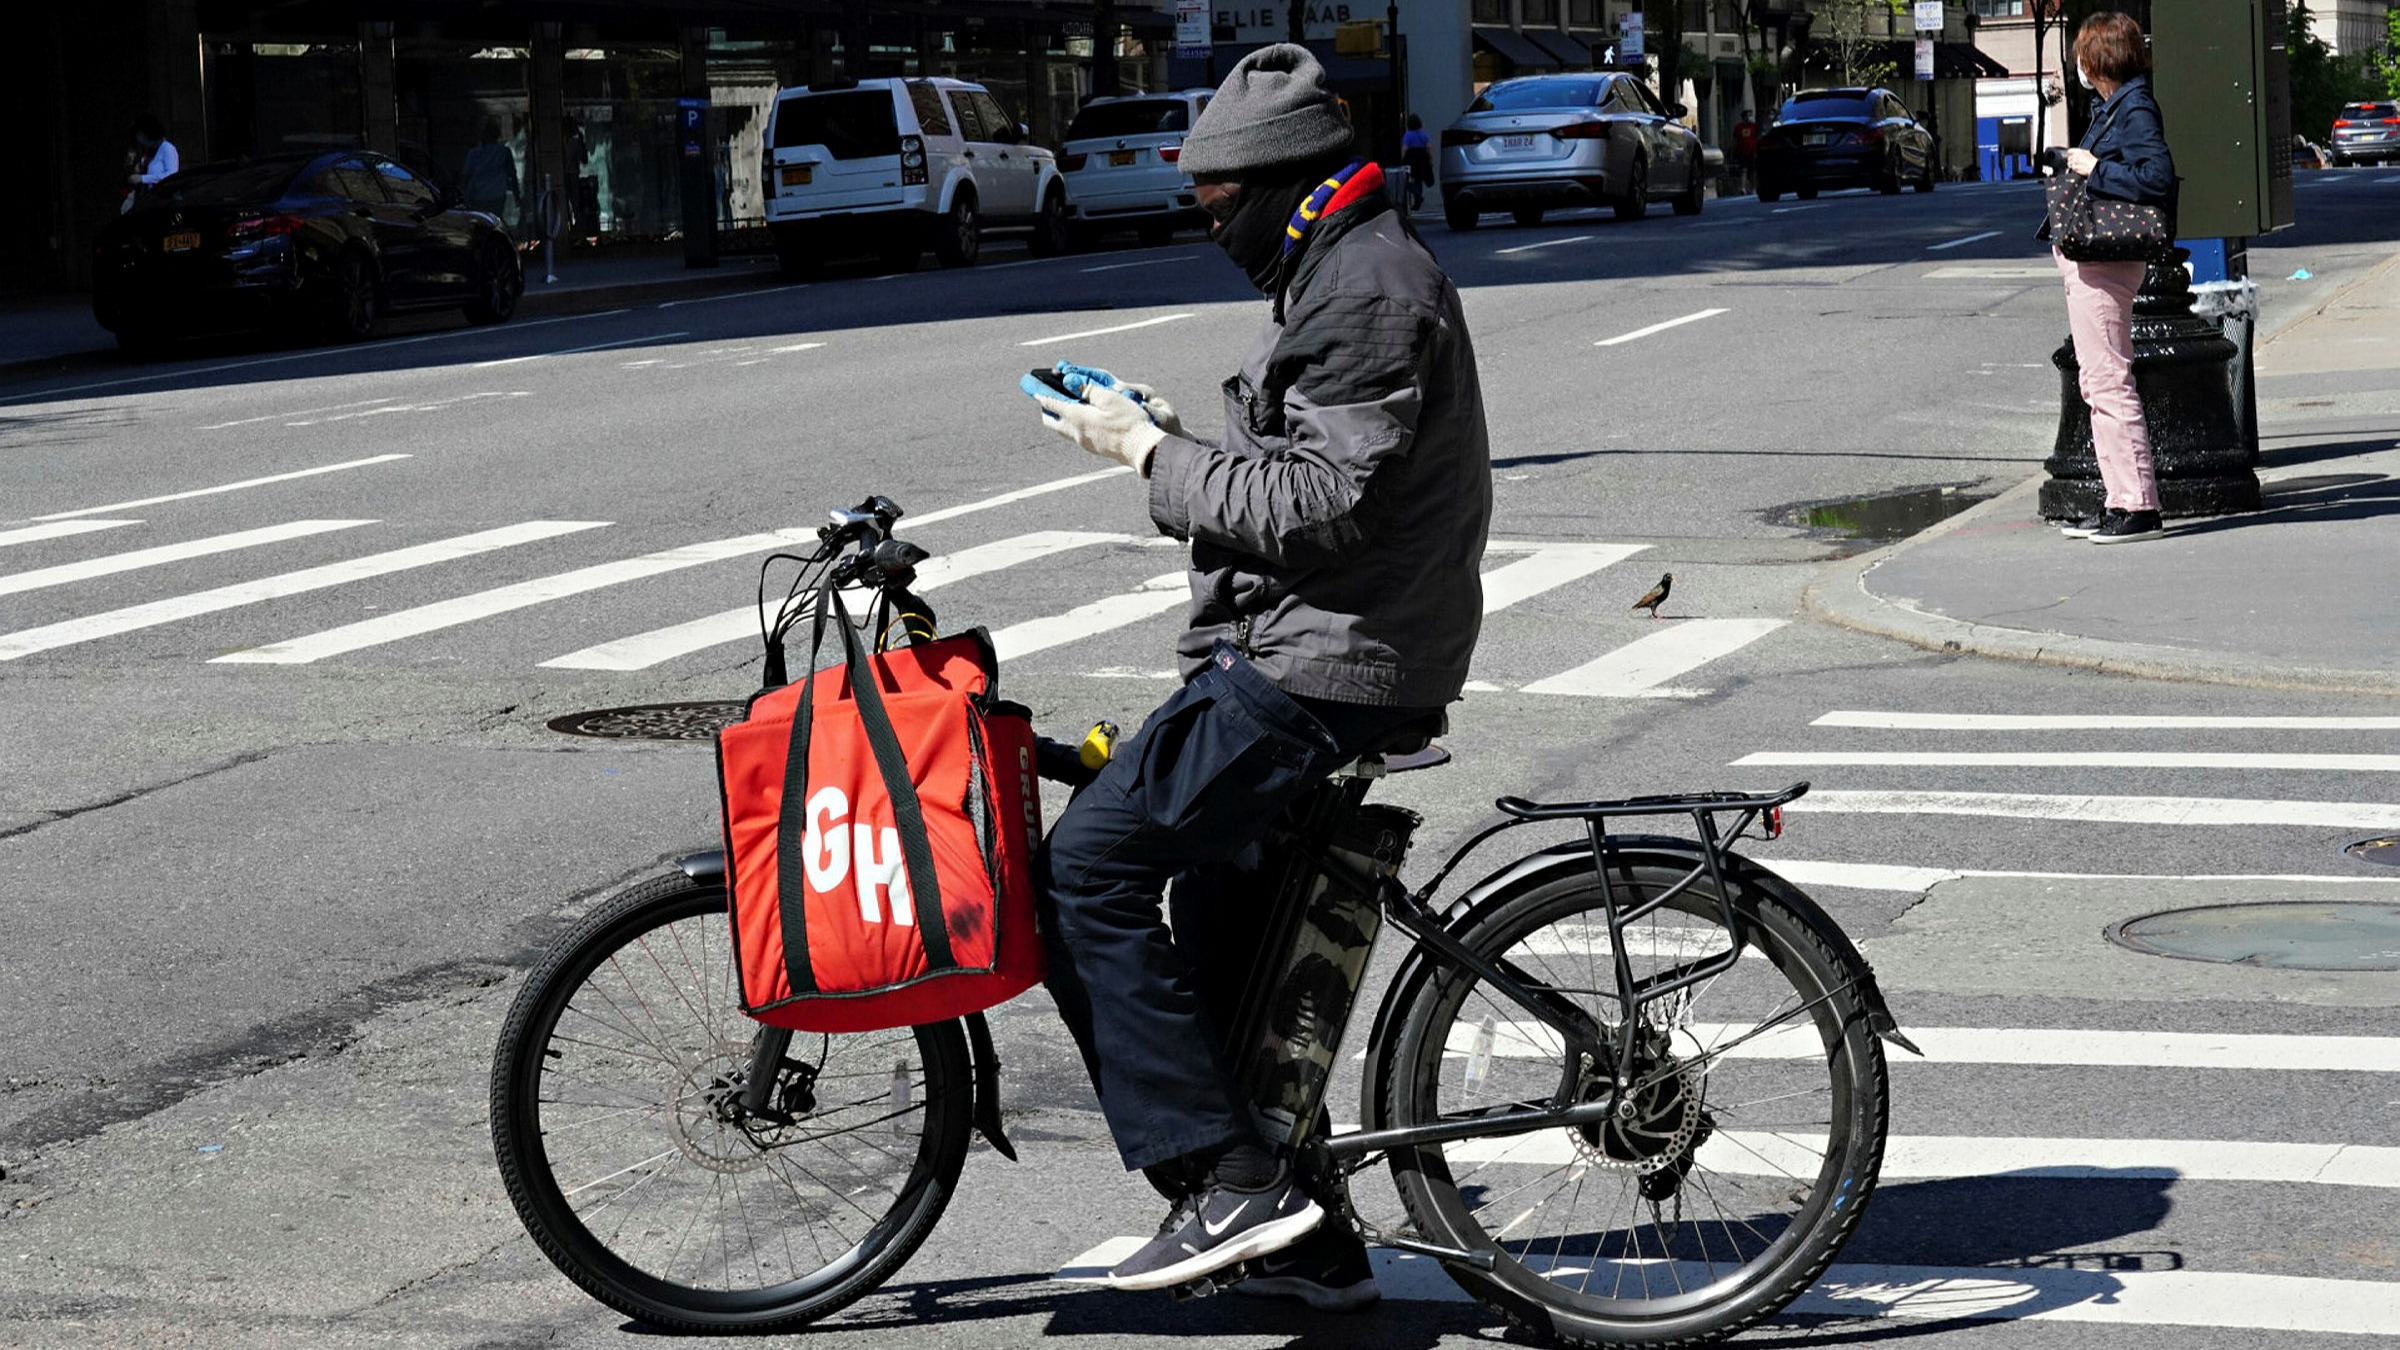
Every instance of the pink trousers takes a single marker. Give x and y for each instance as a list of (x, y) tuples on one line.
[(2100, 316)]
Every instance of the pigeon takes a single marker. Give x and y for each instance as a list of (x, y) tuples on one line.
[(1656, 595)]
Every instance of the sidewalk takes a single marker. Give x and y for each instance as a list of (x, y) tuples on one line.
[(52, 328), (2300, 595)]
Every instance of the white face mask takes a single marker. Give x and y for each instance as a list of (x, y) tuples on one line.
[(2085, 76)]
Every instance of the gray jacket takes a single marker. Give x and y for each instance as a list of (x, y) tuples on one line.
[(1337, 534)]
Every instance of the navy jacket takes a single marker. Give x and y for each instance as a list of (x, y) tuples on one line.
[(2129, 138)]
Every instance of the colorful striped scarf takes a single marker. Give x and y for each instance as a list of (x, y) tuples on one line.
[(1362, 178)]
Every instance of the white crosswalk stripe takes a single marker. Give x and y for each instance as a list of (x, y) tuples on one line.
[(163, 554), (2063, 1047), (132, 618), (500, 600), (2096, 808), (1641, 669), (59, 529), (2075, 759), (644, 650), (1547, 567), (1156, 596)]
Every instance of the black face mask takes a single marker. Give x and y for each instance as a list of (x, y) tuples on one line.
[(1253, 235)]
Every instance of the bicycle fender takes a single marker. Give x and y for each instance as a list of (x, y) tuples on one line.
[(1565, 861), (987, 1086), (706, 868)]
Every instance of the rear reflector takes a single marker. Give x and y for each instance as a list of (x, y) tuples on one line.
[(1170, 153)]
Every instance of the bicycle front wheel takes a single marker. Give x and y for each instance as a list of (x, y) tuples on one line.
[(618, 1122), (1732, 1173)]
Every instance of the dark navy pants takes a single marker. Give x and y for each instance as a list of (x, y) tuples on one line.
[(1187, 797)]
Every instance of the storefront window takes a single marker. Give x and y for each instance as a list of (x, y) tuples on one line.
[(1583, 13), (1491, 11), (452, 97), (266, 97), (1541, 13)]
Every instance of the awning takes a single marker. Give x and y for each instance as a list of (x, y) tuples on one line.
[(1515, 48), (1568, 49), (1965, 61)]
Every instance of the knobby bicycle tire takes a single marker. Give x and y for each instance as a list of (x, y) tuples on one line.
[(615, 1067), (1731, 1133)]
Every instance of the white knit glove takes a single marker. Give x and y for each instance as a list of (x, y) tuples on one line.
[(1161, 411), (1107, 424)]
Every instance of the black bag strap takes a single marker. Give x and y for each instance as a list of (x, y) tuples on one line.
[(908, 814)]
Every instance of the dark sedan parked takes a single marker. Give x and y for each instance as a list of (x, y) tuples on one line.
[(1838, 138), (331, 241)]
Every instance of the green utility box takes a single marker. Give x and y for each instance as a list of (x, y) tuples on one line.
[(2218, 69)]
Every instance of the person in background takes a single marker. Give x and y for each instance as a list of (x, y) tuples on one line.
[(2123, 157), (151, 158), (1745, 149), (489, 178), (1416, 155)]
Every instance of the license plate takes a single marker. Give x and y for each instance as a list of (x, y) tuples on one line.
[(797, 175), (1815, 138), (180, 243), (1516, 142), (1118, 159)]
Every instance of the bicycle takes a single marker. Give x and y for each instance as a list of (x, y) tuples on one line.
[(1545, 1036)]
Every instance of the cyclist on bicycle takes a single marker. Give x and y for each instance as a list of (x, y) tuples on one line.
[(1337, 534)]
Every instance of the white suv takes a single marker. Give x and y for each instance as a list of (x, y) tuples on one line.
[(1120, 155), (890, 165)]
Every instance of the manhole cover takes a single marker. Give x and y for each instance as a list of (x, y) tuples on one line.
[(2289, 935), (2385, 850), (653, 721)]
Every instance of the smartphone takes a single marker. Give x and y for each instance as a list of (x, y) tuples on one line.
[(1047, 383)]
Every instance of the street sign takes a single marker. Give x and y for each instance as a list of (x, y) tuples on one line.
[(1629, 38), (1191, 28), (1929, 16), (1924, 57), (692, 120)]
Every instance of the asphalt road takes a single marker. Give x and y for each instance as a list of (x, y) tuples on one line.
[(280, 631)]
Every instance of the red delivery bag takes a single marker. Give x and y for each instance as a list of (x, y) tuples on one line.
[(880, 821)]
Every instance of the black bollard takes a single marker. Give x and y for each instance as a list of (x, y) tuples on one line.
[(2180, 369)]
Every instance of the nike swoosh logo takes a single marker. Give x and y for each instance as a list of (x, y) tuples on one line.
[(1216, 1229)]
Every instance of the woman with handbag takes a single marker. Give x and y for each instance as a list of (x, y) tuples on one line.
[(2102, 249)]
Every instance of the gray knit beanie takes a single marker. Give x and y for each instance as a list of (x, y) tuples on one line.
[(1273, 109)]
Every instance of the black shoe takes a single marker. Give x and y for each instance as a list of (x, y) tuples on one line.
[(2090, 525), (1327, 1270), (1220, 1228), (2128, 528)]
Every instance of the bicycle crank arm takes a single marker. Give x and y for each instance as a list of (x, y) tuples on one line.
[(1480, 1260), (1481, 1127)]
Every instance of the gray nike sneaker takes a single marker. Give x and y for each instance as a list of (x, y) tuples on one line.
[(1222, 1227), (1327, 1270)]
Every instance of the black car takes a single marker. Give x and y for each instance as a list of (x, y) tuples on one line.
[(1838, 138), (332, 241)]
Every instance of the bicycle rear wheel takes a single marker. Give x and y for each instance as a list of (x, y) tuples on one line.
[(1737, 1173), (619, 1129)]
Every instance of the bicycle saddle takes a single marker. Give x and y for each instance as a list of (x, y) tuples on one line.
[(1409, 746)]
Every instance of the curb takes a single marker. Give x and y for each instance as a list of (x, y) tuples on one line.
[(2340, 294), (1839, 596), (540, 298)]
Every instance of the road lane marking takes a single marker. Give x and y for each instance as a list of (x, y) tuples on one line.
[(1147, 262), (434, 405), (1952, 1157), (1958, 243), (43, 394), (2069, 1048), (1640, 668), (1550, 567), (1019, 495), (2054, 1293), (465, 609), (1102, 332), (1893, 877), (223, 487), (1658, 328), (60, 530), (571, 351), (737, 295), (1919, 721), (1155, 596), (794, 347), (304, 412), (1787, 210), (2108, 810), (114, 563), (28, 641), (1547, 243), (2074, 759), (1991, 272), (644, 650)]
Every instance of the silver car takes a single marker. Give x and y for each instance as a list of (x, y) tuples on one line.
[(1119, 157), (1600, 139)]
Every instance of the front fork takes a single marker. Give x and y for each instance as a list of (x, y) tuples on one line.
[(768, 1052)]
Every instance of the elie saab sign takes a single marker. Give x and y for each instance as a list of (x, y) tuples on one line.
[(1273, 23)]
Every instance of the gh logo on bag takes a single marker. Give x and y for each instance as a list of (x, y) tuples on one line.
[(833, 845)]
